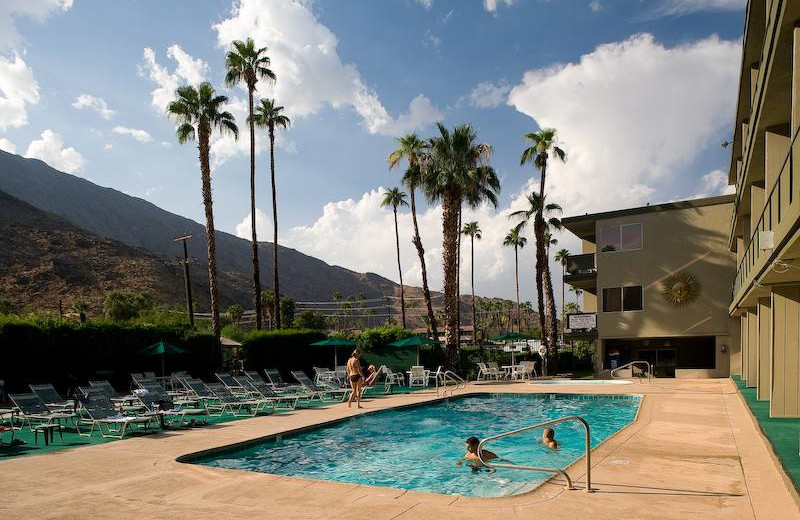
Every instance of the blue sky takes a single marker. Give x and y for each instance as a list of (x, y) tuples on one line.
[(642, 93)]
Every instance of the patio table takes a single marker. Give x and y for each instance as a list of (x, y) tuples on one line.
[(513, 371)]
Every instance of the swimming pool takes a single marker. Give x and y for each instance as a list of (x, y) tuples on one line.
[(586, 382), (416, 448)]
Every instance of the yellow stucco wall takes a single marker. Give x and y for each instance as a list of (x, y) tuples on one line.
[(692, 240), (764, 382), (752, 349), (785, 394)]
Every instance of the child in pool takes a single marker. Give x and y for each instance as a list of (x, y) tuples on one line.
[(549, 438), (471, 456)]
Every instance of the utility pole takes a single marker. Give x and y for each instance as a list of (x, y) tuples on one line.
[(186, 279)]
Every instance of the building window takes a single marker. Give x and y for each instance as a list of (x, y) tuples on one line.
[(625, 237), (617, 299)]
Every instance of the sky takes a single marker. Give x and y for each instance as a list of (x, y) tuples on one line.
[(641, 93)]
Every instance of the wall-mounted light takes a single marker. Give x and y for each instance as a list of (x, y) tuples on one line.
[(723, 348)]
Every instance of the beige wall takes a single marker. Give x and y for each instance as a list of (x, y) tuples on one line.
[(735, 346), (785, 396), (752, 349), (692, 240), (744, 335), (764, 382)]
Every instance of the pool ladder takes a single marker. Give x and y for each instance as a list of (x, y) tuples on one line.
[(587, 455), (632, 365), (442, 378)]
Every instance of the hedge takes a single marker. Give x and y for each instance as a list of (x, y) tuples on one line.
[(70, 353)]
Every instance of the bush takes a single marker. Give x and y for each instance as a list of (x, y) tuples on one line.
[(126, 305), (310, 320), (235, 312), (233, 332), (288, 349)]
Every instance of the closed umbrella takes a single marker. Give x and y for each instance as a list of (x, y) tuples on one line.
[(161, 349), (415, 341), (334, 342)]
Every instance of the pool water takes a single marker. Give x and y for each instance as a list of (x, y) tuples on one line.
[(416, 448)]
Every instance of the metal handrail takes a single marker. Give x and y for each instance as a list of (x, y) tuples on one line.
[(560, 471), (452, 376), (632, 363)]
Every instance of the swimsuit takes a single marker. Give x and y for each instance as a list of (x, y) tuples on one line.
[(355, 378)]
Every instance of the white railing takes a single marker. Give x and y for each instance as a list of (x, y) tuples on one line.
[(441, 380), (587, 455), (632, 365)]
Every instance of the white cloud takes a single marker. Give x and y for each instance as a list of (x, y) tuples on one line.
[(38, 10), (263, 226), (595, 5), (108, 146), (95, 103), (681, 7), (491, 5), (488, 95), (188, 70), (714, 183), (18, 88), (310, 72), (427, 4), (50, 149), (166, 144), (631, 115), (140, 135), (7, 145)]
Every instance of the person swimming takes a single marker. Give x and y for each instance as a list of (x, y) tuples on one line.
[(472, 458), (549, 438)]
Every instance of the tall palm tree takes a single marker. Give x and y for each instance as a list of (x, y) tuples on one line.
[(541, 145), (515, 239), (412, 148), (394, 198), (561, 257), (539, 209), (578, 293), (269, 115), (456, 165), (198, 112), (473, 231), (245, 63)]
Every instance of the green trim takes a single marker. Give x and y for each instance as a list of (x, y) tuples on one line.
[(783, 433)]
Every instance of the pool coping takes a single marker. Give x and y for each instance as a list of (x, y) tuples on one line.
[(572, 469)]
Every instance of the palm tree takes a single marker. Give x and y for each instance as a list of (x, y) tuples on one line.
[(394, 198), (411, 148), (538, 208), (542, 144), (455, 167), (197, 112), (561, 257), (515, 239), (473, 231), (578, 293), (269, 115), (245, 63)]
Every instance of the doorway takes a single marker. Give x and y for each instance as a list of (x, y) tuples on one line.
[(661, 359)]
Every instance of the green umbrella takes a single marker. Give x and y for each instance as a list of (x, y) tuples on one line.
[(334, 342), (511, 336), (160, 349), (415, 341)]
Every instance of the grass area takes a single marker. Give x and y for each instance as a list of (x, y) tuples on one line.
[(783, 434), (71, 439)]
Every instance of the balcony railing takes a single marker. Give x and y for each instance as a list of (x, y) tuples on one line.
[(778, 216), (581, 265)]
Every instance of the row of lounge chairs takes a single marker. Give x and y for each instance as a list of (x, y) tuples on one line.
[(101, 407)]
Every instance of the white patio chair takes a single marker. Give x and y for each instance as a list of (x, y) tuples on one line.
[(418, 376)]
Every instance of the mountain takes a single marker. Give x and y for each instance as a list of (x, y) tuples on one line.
[(45, 259), (110, 214)]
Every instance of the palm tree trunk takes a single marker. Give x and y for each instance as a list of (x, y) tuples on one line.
[(276, 305), (400, 269), (426, 293), (472, 281), (458, 277), (205, 171), (538, 227), (256, 267), (552, 317), (516, 277), (450, 231), (563, 305)]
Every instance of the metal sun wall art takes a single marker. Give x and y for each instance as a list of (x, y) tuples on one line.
[(681, 289)]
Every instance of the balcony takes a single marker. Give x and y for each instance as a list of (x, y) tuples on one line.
[(581, 271)]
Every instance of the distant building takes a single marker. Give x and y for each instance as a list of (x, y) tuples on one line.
[(656, 282)]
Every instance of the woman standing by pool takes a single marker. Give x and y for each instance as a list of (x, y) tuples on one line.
[(356, 377)]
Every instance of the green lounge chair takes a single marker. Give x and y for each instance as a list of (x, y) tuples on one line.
[(98, 410), (237, 406), (33, 412)]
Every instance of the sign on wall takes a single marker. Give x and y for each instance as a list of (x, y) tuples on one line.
[(585, 321)]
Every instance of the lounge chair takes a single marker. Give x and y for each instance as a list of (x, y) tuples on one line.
[(261, 390), (51, 398), (395, 378), (231, 384), (236, 405), (98, 410), (156, 400), (33, 412), (318, 390)]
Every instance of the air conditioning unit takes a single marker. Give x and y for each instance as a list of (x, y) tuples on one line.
[(766, 240)]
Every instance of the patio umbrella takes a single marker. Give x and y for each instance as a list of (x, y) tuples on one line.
[(511, 336), (334, 342), (415, 341), (161, 349)]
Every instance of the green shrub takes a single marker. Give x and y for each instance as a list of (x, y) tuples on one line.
[(310, 320), (233, 332), (235, 312), (126, 305)]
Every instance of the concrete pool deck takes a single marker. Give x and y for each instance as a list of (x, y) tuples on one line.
[(694, 452)]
